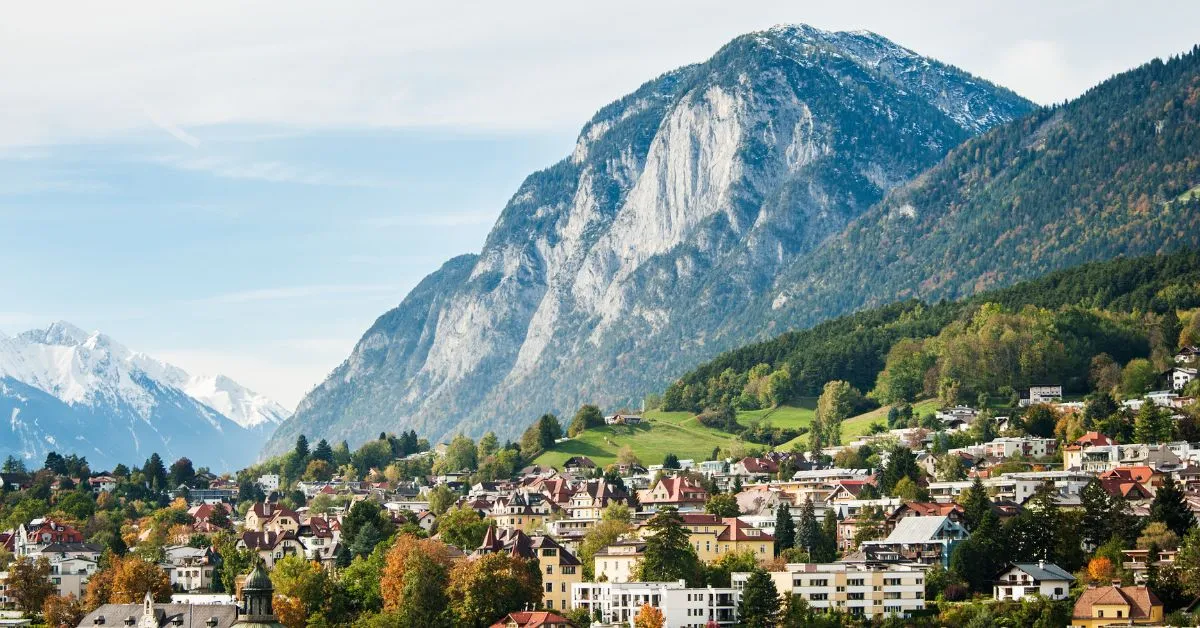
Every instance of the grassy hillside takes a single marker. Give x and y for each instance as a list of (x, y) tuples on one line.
[(669, 432)]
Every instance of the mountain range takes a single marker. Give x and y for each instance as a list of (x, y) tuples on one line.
[(67, 390), (654, 244)]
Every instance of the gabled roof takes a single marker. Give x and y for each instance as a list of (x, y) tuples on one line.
[(532, 619), (1139, 599), (1042, 571), (759, 465), (917, 529)]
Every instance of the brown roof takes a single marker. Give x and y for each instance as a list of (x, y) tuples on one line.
[(735, 529), (1139, 599)]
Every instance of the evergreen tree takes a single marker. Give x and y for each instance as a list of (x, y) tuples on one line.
[(785, 528), (901, 463), (323, 451), (670, 461), (669, 555), (976, 504), (1103, 516), (808, 534), (1170, 508), (759, 607), (1151, 425), (155, 472), (301, 447), (826, 550), (978, 559)]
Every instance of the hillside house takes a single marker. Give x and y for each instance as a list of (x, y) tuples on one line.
[(1019, 581)]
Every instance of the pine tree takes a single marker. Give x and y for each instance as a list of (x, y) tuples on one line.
[(785, 528), (759, 607), (302, 447), (808, 535), (826, 550), (1152, 425), (976, 504), (669, 555), (1170, 508)]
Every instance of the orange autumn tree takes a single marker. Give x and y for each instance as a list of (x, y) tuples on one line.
[(649, 617), (126, 581), (1100, 570), (401, 563)]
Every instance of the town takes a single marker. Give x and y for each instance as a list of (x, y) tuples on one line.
[(1040, 512)]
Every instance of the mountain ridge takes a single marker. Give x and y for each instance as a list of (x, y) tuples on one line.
[(66, 389), (700, 186)]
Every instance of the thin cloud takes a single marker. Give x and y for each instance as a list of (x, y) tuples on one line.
[(431, 219), (291, 293), (169, 127), (269, 171)]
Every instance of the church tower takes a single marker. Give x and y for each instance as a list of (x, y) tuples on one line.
[(257, 593)]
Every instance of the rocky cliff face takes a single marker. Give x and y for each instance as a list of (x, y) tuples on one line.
[(652, 245)]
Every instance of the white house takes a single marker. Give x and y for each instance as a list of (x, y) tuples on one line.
[(1022, 580), (1181, 376), (682, 607), (189, 569), (1042, 394), (71, 565)]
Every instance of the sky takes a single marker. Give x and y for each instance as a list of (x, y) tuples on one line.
[(242, 188)]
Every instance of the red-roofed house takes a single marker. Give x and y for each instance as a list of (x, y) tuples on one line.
[(677, 491), (756, 468), (713, 536), (534, 619), (1073, 453)]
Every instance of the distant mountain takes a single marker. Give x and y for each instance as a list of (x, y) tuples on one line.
[(63, 389), (621, 265)]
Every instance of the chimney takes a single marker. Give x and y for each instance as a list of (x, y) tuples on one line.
[(1041, 564)]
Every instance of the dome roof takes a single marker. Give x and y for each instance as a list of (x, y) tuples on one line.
[(258, 580)]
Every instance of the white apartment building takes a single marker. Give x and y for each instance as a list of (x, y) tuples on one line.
[(268, 482), (683, 607), (1017, 487), (857, 589), (1011, 447), (1181, 376)]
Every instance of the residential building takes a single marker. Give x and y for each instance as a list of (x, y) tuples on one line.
[(103, 484), (1019, 581), (190, 569), (924, 540), (1117, 606), (560, 569), (1181, 376), (268, 482), (31, 538), (760, 469), (1137, 562), (862, 590), (271, 546), (522, 510), (615, 563), (534, 619), (682, 606), (1028, 447), (674, 491), (71, 565), (270, 516), (1042, 394), (713, 536)]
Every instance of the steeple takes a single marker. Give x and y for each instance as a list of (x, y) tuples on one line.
[(257, 592)]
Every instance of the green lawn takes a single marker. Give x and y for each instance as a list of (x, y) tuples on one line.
[(856, 426), (679, 433), (667, 432), (788, 417)]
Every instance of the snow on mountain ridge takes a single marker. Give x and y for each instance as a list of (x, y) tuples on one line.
[(79, 367)]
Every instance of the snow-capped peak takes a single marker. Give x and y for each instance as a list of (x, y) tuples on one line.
[(79, 367)]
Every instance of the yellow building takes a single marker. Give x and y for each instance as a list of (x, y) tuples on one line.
[(272, 517), (1117, 606), (713, 536), (560, 569), (615, 563), (523, 511)]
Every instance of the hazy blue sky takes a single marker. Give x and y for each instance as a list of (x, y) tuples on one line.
[(243, 189)]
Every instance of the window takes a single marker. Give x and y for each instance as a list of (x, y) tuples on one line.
[(857, 582), (818, 583), (549, 569), (549, 587), (819, 596), (855, 596), (567, 569), (550, 551)]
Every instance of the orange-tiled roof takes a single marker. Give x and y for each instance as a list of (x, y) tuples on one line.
[(532, 619), (1139, 599)]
